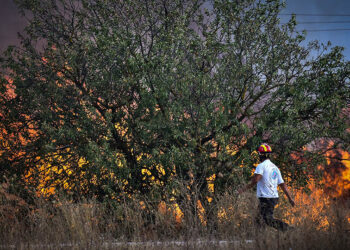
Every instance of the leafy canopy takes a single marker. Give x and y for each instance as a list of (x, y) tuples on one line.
[(136, 96)]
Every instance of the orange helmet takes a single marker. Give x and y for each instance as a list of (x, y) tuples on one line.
[(264, 149)]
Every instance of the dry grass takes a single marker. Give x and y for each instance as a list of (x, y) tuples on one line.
[(140, 224)]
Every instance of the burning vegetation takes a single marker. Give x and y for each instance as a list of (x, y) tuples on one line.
[(332, 189), (132, 114)]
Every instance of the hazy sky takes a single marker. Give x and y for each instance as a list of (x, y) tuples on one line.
[(330, 16), (336, 11)]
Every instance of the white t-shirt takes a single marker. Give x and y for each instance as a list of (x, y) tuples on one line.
[(271, 178)]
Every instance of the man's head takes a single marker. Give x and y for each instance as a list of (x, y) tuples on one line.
[(264, 151)]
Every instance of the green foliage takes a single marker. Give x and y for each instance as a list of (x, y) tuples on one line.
[(191, 86)]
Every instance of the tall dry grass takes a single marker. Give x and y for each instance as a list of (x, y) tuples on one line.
[(145, 224)]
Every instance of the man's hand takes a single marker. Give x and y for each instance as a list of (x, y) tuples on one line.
[(255, 179)]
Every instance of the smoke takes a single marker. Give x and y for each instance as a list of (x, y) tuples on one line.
[(11, 23)]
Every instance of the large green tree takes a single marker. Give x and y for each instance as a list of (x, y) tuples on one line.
[(191, 86)]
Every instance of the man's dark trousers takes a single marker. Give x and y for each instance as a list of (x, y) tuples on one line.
[(266, 208)]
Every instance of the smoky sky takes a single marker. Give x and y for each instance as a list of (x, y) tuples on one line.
[(11, 22)]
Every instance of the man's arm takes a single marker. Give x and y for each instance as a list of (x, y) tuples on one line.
[(255, 179), (286, 191)]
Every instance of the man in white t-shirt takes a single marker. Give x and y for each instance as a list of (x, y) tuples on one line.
[(267, 176)]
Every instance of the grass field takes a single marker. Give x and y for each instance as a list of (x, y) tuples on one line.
[(319, 224)]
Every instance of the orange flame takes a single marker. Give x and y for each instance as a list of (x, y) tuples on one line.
[(335, 186)]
